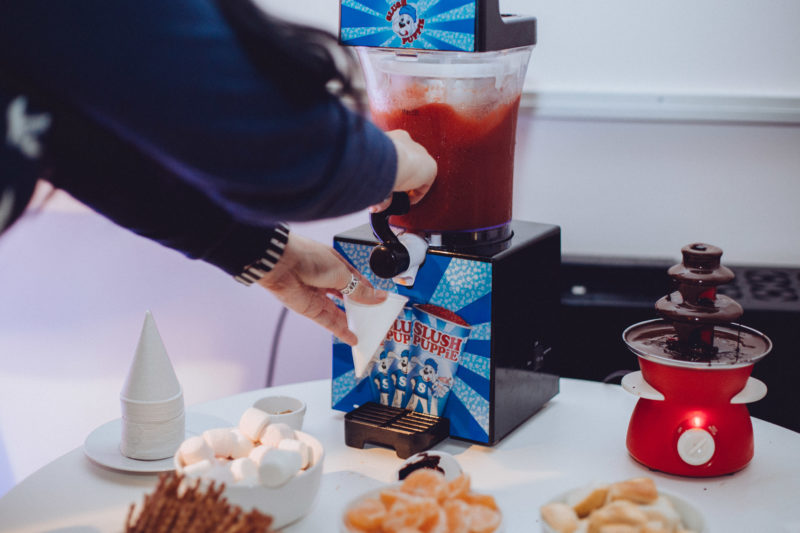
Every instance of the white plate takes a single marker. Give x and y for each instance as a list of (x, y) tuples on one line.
[(690, 515), (102, 445)]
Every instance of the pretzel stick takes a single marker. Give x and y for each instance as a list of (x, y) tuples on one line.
[(176, 507)]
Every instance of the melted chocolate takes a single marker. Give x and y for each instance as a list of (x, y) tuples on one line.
[(697, 323), (733, 344), (425, 460)]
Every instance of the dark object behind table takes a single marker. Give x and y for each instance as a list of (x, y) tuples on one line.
[(601, 297)]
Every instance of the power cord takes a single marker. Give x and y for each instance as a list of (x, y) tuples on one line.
[(617, 374), (276, 339)]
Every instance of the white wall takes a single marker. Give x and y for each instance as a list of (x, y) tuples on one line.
[(649, 125), (715, 47), (645, 189), (682, 46)]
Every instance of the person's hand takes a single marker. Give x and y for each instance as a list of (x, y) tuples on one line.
[(307, 273), (416, 169)]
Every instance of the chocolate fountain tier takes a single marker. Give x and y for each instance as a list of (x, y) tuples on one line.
[(736, 345), (721, 310)]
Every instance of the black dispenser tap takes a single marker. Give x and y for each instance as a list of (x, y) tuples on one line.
[(390, 257)]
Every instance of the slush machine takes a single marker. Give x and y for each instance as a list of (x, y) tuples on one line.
[(469, 351)]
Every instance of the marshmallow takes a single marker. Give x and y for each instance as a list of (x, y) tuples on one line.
[(244, 471), (278, 466), (194, 450), (276, 433), (242, 445), (258, 452), (297, 446), (198, 469), (219, 473), (253, 422), (221, 440)]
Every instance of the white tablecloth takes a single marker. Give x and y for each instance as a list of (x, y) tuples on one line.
[(577, 438)]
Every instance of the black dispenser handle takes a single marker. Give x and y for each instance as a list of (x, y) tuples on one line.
[(390, 257)]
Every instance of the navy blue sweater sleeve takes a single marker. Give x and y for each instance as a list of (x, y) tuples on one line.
[(171, 80), (111, 175)]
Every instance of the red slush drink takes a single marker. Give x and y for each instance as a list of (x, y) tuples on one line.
[(475, 155)]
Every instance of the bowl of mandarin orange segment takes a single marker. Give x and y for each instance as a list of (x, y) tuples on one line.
[(424, 502)]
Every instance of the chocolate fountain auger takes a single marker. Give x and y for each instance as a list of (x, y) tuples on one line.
[(695, 308)]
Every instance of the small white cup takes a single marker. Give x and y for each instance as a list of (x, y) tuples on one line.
[(285, 409)]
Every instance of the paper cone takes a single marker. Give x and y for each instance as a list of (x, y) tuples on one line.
[(151, 377), (152, 440), (370, 323)]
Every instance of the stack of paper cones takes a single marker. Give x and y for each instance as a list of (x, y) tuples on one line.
[(153, 419)]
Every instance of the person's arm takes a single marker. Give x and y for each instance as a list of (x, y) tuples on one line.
[(170, 134), (173, 81)]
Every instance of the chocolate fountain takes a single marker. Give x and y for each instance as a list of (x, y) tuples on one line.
[(694, 382)]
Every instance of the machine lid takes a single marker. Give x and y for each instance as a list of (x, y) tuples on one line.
[(446, 25)]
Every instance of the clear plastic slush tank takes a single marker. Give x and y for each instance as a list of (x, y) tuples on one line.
[(462, 106)]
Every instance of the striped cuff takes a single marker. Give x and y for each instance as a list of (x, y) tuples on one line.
[(260, 267)]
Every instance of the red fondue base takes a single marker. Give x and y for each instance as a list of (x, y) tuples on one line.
[(475, 156), (694, 399)]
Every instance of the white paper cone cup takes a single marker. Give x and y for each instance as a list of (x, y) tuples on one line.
[(151, 377), (158, 411), (370, 323), (152, 440)]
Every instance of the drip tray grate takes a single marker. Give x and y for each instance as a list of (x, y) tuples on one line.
[(405, 431)]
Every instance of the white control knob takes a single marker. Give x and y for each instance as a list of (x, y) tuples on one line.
[(696, 446)]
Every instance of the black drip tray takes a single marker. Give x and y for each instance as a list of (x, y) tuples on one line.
[(405, 431)]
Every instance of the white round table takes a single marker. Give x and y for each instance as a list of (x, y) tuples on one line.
[(576, 439)]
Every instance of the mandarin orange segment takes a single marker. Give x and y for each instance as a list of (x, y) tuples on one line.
[(390, 496), (457, 512), (352, 529), (487, 500), (483, 519), (459, 486), (425, 482), (413, 513), (437, 524), (367, 514)]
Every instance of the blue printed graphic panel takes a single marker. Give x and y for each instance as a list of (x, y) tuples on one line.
[(462, 390), (423, 25)]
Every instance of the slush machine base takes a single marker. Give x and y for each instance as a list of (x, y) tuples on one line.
[(472, 342)]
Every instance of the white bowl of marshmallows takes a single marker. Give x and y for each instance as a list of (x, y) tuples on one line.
[(265, 462)]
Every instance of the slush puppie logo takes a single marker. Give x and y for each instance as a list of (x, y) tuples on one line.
[(405, 23), (400, 332)]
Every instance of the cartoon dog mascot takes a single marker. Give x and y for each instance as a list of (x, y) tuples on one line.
[(382, 380), (404, 21), (400, 380), (422, 387)]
